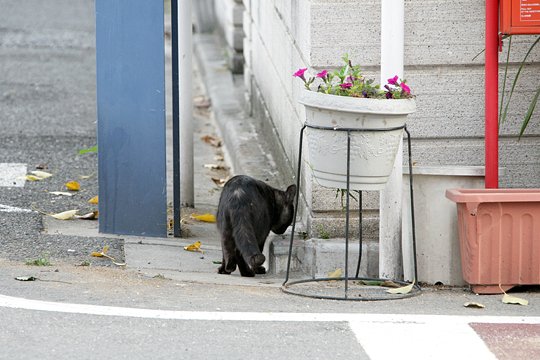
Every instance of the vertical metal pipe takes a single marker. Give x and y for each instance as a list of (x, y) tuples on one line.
[(175, 121), (186, 103), (491, 95)]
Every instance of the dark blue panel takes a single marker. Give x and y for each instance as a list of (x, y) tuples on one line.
[(131, 117)]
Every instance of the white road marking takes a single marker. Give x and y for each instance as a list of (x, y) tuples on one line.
[(383, 336), (12, 174), (420, 340), (9, 209)]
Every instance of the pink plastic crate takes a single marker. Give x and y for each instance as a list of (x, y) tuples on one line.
[(499, 234)]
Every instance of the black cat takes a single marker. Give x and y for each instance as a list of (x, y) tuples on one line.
[(248, 209)]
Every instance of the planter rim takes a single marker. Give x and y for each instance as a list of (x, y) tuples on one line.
[(357, 105), (449, 170), (493, 195)]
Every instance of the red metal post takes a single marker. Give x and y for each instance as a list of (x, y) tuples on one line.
[(492, 95)]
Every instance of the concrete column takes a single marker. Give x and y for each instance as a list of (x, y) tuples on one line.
[(186, 103), (392, 39)]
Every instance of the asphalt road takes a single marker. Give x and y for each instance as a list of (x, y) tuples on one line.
[(47, 112)]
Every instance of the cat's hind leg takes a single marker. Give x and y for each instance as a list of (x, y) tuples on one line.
[(244, 268), (228, 247)]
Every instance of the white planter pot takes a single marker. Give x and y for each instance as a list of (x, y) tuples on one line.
[(372, 152)]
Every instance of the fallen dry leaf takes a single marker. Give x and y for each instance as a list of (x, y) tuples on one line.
[(90, 216), (474, 305), (509, 299), (73, 186), (94, 200), (103, 253), (26, 278), (41, 174), (219, 182), (211, 140), (390, 284), (62, 193), (204, 218), (32, 178), (195, 247), (401, 290), (201, 102), (65, 215), (336, 273), (215, 167)]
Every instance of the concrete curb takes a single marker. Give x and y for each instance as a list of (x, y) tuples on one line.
[(247, 151)]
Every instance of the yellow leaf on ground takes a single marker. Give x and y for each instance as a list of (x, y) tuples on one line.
[(65, 215), (94, 200), (73, 186), (32, 178), (474, 305), (102, 253), (336, 273), (204, 217), (401, 290), (90, 216), (196, 247), (41, 174), (509, 299)]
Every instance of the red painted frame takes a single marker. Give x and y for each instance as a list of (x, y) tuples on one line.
[(519, 17)]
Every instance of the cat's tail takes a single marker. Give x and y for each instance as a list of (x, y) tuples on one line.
[(246, 243)]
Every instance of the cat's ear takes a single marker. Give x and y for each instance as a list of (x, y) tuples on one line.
[(290, 193)]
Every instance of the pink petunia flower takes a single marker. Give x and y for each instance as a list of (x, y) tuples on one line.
[(300, 73), (405, 88), (345, 86), (322, 74), (393, 81)]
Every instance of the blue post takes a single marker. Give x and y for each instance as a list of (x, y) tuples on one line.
[(131, 117)]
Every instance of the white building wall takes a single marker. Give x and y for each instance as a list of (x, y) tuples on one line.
[(441, 39)]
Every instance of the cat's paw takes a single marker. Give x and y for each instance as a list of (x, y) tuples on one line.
[(256, 261), (222, 270), (260, 270)]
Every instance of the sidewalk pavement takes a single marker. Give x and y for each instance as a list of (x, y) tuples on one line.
[(48, 112), (244, 155)]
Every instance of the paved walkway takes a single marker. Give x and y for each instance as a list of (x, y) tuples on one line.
[(48, 114)]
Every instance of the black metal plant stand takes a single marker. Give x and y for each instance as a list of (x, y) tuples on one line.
[(364, 288)]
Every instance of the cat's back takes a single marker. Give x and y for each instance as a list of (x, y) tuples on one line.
[(243, 198)]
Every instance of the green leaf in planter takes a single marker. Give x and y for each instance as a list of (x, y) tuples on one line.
[(529, 113), (503, 116), (504, 78)]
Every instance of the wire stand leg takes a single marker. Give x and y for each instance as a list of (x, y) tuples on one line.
[(359, 232), (413, 223), (296, 202)]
